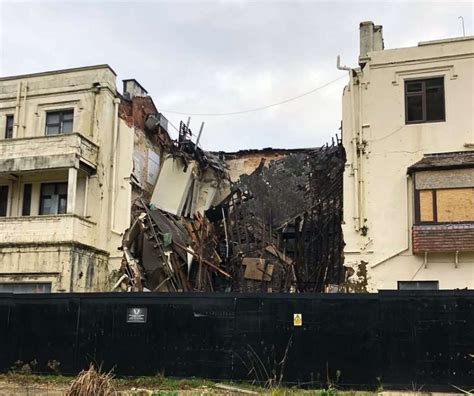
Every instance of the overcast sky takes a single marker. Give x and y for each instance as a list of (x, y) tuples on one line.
[(222, 56)]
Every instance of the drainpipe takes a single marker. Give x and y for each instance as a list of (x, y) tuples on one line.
[(360, 134), (17, 112), (25, 92), (113, 172), (355, 159)]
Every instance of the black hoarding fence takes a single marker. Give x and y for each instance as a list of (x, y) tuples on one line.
[(394, 339)]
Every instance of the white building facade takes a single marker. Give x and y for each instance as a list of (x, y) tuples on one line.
[(408, 130)]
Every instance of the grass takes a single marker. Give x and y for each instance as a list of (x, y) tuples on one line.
[(164, 386), (163, 383)]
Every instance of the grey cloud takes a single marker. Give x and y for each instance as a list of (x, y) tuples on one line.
[(222, 56)]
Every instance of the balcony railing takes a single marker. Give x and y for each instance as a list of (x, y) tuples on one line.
[(41, 229), (438, 238), (47, 152)]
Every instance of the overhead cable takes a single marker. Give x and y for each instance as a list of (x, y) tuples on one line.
[(257, 108)]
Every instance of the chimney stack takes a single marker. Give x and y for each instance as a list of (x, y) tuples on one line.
[(132, 88), (371, 39)]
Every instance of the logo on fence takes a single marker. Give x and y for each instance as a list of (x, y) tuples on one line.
[(136, 315), (298, 319)]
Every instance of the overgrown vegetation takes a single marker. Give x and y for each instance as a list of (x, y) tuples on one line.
[(95, 381)]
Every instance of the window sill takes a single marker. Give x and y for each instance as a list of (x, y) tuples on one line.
[(423, 122)]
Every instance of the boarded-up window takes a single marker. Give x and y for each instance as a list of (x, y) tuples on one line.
[(455, 205), (449, 205), (426, 206)]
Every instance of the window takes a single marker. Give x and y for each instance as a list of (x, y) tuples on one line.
[(444, 205), (58, 122), (9, 127), (418, 285), (3, 200), (25, 287), (424, 100), (26, 200), (53, 198)]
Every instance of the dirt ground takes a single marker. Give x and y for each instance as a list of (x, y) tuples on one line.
[(23, 388), (9, 388)]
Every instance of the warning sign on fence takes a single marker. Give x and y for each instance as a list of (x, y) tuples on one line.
[(297, 319)]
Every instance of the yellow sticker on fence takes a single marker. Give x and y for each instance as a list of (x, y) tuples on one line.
[(297, 319)]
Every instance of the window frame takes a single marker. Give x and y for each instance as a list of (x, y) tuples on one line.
[(39, 285), (7, 203), (42, 187), (9, 128), (26, 200), (417, 282), (422, 93), (61, 113)]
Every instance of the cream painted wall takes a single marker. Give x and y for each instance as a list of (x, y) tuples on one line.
[(389, 147), (101, 215)]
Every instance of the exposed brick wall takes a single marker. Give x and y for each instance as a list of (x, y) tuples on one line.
[(134, 113), (443, 238)]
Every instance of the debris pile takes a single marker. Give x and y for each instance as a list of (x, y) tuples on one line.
[(277, 229)]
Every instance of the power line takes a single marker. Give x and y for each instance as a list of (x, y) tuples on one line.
[(257, 108)]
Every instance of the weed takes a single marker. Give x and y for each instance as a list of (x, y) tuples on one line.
[(271, 375), (19, 367), (92, 382), (53, 365)]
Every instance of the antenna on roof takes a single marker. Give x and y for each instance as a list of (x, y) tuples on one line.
[(462, 22)]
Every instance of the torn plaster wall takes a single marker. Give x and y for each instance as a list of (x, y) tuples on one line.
[(245, 162), (208, 188)]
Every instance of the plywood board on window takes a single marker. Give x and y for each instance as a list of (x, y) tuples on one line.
[(426, 205), (455, 204)]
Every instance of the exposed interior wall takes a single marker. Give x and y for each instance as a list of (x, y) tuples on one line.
[(173, 185), (242, 163)]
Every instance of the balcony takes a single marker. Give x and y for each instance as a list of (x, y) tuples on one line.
[(47, 152), (437, 238), (50, 229)]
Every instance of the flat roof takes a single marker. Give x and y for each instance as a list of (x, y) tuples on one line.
[(49, 72), (445, 41)]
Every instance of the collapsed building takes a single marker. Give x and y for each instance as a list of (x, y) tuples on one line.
[(250, 221), (94, 193)]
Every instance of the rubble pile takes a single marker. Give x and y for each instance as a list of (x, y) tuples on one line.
[(277, 229)]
